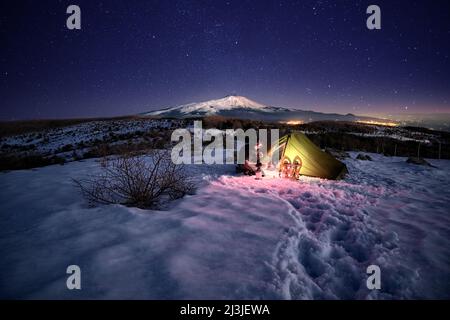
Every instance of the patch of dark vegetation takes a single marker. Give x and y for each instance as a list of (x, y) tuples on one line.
[(106, 149), (388, 146), (10, 128), (336, 126), (338, 154), (363, 157), (14, 162), (444, 134), (18, 147), (66, 148), (418, 161)]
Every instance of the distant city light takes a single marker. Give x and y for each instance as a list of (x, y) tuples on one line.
[(293, 122), (379, 123)]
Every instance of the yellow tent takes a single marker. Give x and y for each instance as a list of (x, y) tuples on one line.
[(298, 151)]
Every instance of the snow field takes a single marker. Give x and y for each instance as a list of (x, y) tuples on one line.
[(236, 238)]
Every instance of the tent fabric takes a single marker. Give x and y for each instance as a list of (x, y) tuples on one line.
[(314, 161)]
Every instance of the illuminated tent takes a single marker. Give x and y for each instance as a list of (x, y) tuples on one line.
[(297, 150)]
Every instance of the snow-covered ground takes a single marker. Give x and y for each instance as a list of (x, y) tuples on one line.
[(235, 238)]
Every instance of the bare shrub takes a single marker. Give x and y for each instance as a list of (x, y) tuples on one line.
[(137, 181)]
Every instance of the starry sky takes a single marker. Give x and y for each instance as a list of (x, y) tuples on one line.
[(135, 56)]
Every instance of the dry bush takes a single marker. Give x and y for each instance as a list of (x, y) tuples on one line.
[(137, 181)]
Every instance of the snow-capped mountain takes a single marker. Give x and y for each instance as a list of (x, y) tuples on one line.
[(214, 107), (244, 108)]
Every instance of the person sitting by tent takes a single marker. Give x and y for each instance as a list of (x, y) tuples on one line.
[(248, 168)]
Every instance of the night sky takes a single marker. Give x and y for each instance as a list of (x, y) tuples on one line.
[(136, 56)]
